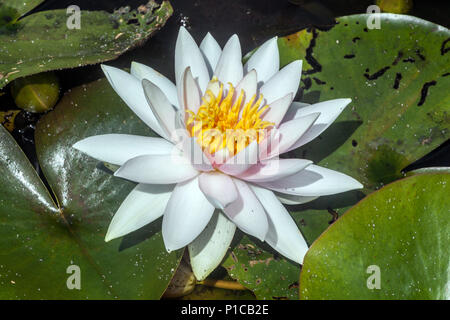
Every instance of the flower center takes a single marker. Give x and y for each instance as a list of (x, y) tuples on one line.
[(225, 121)]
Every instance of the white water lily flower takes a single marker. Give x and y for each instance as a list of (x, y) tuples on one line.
[(239, 118)]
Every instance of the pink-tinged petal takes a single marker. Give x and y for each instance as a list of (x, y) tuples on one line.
[(187, 214), (242, 161), (329, 111), (129, 88), (283, 82), (229, 67), (142, 72), (199, 159), (278, 109), (143, 205), (159, 169), (207, 251), (220, 157), (187, 54), (161, 107), (292, 199), (283, 234), (265, 60), (189, 93), (218, 188), (314, 181), (249, 85), (274, 169), (211, 52), (290, 132), (269, 145), (247, 212), (119, 148)]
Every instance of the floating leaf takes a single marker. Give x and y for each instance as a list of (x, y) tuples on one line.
[(269, 276), (395, 244), (41, 239), (42, 41)]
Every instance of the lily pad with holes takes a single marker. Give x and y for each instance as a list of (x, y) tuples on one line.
[(395, 244), (43, 41), (398, 79), (44, 232)]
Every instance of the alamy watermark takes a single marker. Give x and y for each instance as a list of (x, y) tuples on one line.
[(74, 280), (374, 280), (74, 19), (373, 21)]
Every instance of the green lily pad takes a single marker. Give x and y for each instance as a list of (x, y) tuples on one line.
[(395, 244), (261, 270), (398, 79), (42, 238), (42, 41)]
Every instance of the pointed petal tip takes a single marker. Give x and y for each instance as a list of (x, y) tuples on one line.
[(358, 185), (110, 236), (105, 67), (77, 145), (118, 172)]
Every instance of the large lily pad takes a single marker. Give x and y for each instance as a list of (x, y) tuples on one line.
[(41, 238), (42, 41), (403, 230), (398, 79)]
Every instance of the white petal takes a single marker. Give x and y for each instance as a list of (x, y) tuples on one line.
[(211, 52), (129, 88), (314, 181), (209, 248), (290, 132), (229, 67), (247, 212), (186, 215), (190, 148), (142, 71), (278, 109), (218, 188), (189, 93), (283, 82), (187, 54), (119, 148), (265, 60), (161, 107), (291, 199), (242, 161), (160, 169), (274, 169), (195, 154), (144, 204), (249, 85), (329, 111), (283, 235)]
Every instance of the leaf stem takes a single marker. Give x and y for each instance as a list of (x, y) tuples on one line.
[(231, 285)]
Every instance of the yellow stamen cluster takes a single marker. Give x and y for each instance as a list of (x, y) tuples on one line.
[(220, 123)]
